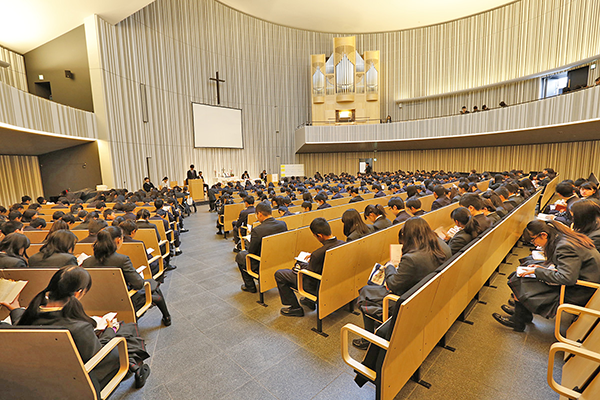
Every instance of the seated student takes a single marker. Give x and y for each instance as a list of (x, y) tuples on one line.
[(243, 217), (461, 217), (412, 192), (355, 196), (306, 196), (13, 249), (57, 251), (28, 215), (589, 190), (380, 192), (25, 200), (514, 196), (64, 203), (354, 226), (422, 253), (306, 206), (561, 209), (130, 229), (463, 188), (57, 226), (441, 199), (284, 212), (108, 215), (413, 206), (376, 214), (129, 208), (3, 214), (474, 204), (575, 258), (490, 211), (81, 214), (337, 194), (95, 226), (15, 215), (69, 219), (396, 206), (321, 200), (268, 226), (35, 224), (586, 219), (58, 305), (11, 226), (85, 225), (108, 243), (496, 201), (287, 279), (503, 194)]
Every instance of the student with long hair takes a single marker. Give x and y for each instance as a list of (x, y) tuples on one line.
[(589, 190), (59, 305), (57, 251), (57, 226), (422, 253), (586, 219), (13, 249), (107, 244), (376, 214), (354, 226), (572, 255)]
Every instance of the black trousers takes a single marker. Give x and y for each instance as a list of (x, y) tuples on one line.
[(522, 315), (287, 280), (240, 259)]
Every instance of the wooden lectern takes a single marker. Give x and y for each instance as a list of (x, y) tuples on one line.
[(196, 187)]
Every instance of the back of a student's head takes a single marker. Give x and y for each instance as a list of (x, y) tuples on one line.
[(307, 205), (10, 227), (105, 245), (128, 227), (96, 226), (411, 191), (565, 189), (320, 197), (320, 226), (14, 244), (502, 191), (263, 208), (471, 200), (61, 241), (38, 223), (69, 218), (413, 204), (461, 215), (396, 202), (439, 190), (15, 215), (28, 215), (142, 214)]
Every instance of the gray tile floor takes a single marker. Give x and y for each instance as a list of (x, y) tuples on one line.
[(223, 345)]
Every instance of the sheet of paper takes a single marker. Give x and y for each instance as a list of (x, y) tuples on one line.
[(377, 274), (441, 233), (395, 253), (140, 270), (303, 257), (81, 258), (521, 270), (9, 289), (545, 217), (149, 250), (538, 255)]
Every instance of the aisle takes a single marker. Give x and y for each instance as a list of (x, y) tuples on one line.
[(223, 345)]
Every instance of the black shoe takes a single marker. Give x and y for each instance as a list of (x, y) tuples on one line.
[(292, 312), (511, 302), (184, 230), (219, 232), (509, 322), (141, 375), (308, 303), (248, 289), (178, 252), (360, 343), (167, 320), (236, 250), (170, 267), (508, 309)]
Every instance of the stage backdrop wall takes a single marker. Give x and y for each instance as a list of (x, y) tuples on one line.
[(172, 47)]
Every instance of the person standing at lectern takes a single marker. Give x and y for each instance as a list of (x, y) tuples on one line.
[(191, 174), (368, 169)]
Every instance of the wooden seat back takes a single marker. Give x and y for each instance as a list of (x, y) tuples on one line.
[(549, 191)]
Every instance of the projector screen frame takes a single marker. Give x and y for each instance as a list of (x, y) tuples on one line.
[(218, 106)]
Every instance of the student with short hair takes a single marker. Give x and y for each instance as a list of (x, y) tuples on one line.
[(321, 200), (441, 199), (376, 214), (413, 206), (396, 206)]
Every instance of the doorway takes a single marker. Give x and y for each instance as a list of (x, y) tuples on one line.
[(43, 89), (362, 164)]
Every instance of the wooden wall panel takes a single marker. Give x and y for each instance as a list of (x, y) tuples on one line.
[(573, 160), (14, 75), (20, 175), (174, 46)]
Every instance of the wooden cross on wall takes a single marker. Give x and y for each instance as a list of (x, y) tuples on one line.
[(218, 81)]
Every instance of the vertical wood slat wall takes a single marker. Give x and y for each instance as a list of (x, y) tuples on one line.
[(174, 46), (20, 175), (14, 75), (573, 160)]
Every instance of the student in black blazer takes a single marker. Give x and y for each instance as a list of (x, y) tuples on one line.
[(422, 253), (396, 206), (376, 214), (354, 226), (58, 305), (268, 226), (56, 252), (441, 199), (105, 255), (322, 201), (243, 217), (13, 250), (413, 206), (356, 197), (461, 217), (474, 204)]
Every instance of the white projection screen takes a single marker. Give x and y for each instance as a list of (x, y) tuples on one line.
[(216, 126)]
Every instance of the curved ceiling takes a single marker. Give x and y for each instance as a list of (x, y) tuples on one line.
[(354, 16)]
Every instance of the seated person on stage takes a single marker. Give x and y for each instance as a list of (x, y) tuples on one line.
[(57, 251), (287, 279), (413, 206), (396, 206), (12, 250), (58, 305), (148, 186), (355, 196), (475, 206), (268, 226), (243, 217), (376, 214), (354, 226), (109, 242), (441, 199), (306, 206), (322, 201), (95, 226), (130, 229), (422, 253), (572, 256)]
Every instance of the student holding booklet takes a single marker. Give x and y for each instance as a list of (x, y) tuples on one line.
[(422, 253)]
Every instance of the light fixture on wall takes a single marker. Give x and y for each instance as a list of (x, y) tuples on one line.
[(4, 64)]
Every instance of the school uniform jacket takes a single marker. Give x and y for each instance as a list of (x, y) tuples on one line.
[(55, 260)]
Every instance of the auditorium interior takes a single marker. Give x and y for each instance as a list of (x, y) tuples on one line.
[(211, 116)]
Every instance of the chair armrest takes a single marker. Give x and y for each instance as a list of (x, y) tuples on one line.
[(563, 347), (148, 302), (162, 242), (301, 283), (575, 310), (169, 231), (592, 285), (386, 304), (371, 337), (155, 258), (121, 344), (249, 265)]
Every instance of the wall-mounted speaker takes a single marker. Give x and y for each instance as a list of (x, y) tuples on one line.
[(69, 74)]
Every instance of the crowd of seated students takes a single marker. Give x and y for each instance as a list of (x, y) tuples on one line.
[(108, 229)]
